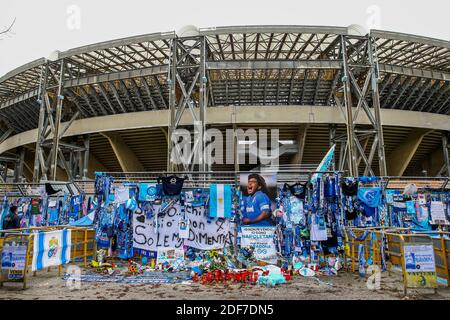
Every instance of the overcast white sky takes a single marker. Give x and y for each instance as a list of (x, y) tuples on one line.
[(43, 26)]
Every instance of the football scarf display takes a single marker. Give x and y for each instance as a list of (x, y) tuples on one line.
[(297, 189), (220, 201)]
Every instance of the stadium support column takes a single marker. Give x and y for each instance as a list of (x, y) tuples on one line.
[(401, 156), (301, 141), (445, 171), (332, 137), (18, 169), (359, 85), (349, 116), (39, 166), (128, 161), (204, 163), (87, 140), (187, 91), (373, 60), (49, 133), (171, 81), (59, 103), (50, 99)]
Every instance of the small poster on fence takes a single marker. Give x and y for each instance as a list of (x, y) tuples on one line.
[(438, 213), (420, 266), (262, 240), (14, 259)]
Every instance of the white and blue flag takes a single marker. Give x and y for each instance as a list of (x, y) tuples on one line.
[(51, 249), (220, 200), (324, 165)]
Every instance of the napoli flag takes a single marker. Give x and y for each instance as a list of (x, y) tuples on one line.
[(51, 249), (220, 200), (370, 196), (324, 164)]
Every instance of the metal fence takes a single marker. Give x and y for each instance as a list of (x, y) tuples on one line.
[(199, 179), (36, 189)]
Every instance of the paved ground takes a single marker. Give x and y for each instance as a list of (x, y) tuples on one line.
[(47, 285)]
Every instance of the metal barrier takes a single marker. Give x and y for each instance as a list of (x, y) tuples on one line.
[(371, 242), (441, 245), (83, 244), (392, 241)]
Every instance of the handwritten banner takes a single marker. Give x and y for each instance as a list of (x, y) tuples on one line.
[(207, 233), (204, 233), (145, 236)]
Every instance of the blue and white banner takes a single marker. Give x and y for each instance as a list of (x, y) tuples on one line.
[(220, 200), (51, 249), (370, 196), (324, 164), (147, 191)]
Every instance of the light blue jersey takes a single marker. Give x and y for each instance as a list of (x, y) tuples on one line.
[(254, 206)]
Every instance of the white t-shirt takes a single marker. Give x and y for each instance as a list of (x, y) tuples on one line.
[(316, 233), (121, 194)]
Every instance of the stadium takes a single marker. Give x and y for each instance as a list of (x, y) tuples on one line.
[(382, 97)]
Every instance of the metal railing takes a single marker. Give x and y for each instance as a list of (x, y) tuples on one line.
[(199, 179), (31, 189)]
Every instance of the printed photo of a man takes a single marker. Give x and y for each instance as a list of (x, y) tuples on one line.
[(256, 203)]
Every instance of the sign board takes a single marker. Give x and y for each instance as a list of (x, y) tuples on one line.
[(13, 261), (420, 267), (437, 211), (262, 239)]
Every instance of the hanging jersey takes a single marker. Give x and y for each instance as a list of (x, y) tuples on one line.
[(53, 216), (254, 206), (318, 229), (34, 206), (75, 205), (171, 185), (121, 194)]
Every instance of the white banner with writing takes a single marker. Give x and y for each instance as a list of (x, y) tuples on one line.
[(204, 233)]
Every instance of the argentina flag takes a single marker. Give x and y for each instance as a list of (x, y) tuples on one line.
[(220, 200), (51, 249)]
